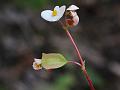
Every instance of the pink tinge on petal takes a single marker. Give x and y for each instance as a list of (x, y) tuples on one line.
[(72, 19), (76, 20), (70, 22)]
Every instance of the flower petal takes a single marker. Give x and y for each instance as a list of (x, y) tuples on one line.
[(71, 22), (60, 13), (76, 20), (73, 13), (62, 10), (57, 8), (38, 61), (47, 14), (73, 8)]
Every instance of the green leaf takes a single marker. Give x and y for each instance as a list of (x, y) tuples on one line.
[(53, 60)]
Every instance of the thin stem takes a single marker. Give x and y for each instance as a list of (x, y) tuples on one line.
[(81, 64), (88, 79), (73, 42), (75, 46), (76, 63), (85, 73), (81, 61)]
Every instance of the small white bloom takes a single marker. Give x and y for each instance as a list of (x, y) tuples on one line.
[(54, 15), (73, 8), (73, 20), (37, 64)]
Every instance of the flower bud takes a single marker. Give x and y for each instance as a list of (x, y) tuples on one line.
[(72, 19)]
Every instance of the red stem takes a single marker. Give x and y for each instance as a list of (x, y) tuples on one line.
[(85, 73), (75, 63), (88, 79), (81, 60), (75, 46)]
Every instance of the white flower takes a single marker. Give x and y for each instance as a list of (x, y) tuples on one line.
[(37, 64), (54, 15), (74, 19), (73, 8)]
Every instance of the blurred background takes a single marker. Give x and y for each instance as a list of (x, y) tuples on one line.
[(24, 35)]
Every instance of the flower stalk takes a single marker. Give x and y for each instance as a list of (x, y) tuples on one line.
[(82, 63)]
